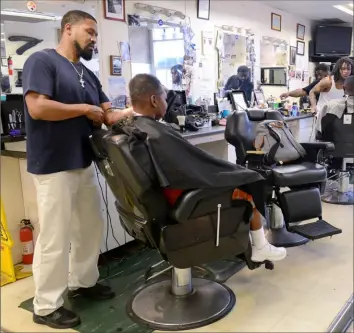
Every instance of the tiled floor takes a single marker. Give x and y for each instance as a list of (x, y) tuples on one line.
[(303, 294)]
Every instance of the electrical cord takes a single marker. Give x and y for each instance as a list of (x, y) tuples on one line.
[(108, 220)]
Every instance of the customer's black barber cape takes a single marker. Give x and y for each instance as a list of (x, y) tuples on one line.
[(180, 165)]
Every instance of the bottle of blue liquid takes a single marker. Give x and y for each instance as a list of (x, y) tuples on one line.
[(294, 110)]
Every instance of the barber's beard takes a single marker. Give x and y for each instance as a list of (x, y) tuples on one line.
[(85, 53)]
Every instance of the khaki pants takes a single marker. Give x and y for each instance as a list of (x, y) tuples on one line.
[(70, 220)]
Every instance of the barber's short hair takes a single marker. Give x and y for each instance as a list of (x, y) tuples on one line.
[(243, 69), (75, 16), (322, 67), (142, 86)]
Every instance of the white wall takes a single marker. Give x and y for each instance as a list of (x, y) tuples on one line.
[(246, 14)]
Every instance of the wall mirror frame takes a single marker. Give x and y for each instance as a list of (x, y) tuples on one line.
[(274, 76), (161, 47)]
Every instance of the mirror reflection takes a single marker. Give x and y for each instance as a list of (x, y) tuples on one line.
[(273, 76), (158, 50)]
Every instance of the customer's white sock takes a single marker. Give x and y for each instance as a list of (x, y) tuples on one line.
[(258, 238)]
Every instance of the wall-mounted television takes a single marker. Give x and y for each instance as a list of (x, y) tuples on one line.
[(333, 40)]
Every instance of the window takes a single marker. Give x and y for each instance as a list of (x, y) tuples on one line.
[(168, 50)]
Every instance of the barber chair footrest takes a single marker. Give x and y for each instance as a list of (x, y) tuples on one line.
[(156, 307), (315, 230), (221, 270)]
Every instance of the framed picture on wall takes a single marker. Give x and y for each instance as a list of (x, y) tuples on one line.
[(276, 22), (300, 32), (292, 60), (203, 9), (300, 48), (115, 63), (114, 10)]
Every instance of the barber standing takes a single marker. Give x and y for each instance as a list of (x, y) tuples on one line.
[(321, 71), (64, 101), (241, 81)]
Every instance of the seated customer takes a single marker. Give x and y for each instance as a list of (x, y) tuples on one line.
[(181, 166)]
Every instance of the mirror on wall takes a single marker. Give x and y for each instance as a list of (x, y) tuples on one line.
[(273, 76), (24, 33), (158, 50), (274, 52)]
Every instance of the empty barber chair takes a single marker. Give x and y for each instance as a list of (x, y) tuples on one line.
[(340, 161), (194, 233), (293, 190)]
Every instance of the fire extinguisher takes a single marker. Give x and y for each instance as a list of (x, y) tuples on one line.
[(9, 65), (26, 238)]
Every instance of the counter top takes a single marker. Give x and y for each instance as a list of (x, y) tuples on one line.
[(211, 132), (220, 129)]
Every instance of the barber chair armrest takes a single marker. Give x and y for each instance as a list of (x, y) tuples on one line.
[(255, 159), (186, 204), (312, 149)]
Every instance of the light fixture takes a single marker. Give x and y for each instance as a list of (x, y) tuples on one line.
[(3, 39), (350, 5), (344, 9), (30, 15)]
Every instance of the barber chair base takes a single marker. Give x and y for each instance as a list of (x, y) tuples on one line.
[(156, 307), (281, 237), (338, 198)]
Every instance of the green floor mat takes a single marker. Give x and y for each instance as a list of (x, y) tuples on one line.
[(110, 316)]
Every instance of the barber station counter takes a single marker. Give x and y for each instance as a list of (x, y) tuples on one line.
[(213, 141), (18, 192)]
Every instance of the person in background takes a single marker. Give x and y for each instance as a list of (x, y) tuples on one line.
[(330, 87), (64, 102), (177, 74), (321, 71), (336, 107), (241, 81), (148, 98)]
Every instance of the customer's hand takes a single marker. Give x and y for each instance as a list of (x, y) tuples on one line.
[(94, 113), (284, 96), (313, 110)]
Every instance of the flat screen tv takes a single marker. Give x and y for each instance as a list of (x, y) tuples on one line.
[(333, 40)]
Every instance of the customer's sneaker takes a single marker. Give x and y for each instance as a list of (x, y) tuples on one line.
[(268, 252), (59, 319), (97, 292)]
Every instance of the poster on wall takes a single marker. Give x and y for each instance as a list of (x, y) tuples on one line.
[(114, 10), (117, 93), (232, 54), (207, 42), (124, 51)]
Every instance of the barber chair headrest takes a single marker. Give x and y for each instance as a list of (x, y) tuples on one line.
[(241, 129), (256, 115)]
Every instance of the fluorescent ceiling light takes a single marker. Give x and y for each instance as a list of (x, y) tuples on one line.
[(350, 5), (30, 15), (344, 9), (2, 39)]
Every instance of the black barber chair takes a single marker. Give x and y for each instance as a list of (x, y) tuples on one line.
[(194, 233), (341, 133), (305, 179)]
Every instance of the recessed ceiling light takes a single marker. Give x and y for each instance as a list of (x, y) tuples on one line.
[(344, 9)]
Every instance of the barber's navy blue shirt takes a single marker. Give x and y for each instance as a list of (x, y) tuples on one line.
[(55, 146)]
